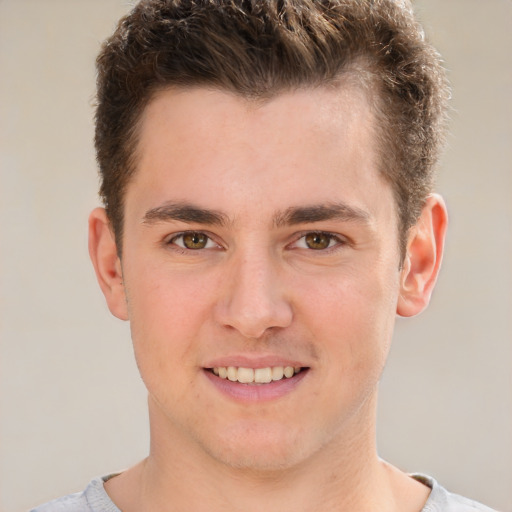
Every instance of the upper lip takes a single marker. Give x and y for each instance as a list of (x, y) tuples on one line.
[(248, 361)]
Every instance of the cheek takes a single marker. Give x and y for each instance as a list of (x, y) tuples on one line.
[(161, 296), (354, 317), (166, 316)]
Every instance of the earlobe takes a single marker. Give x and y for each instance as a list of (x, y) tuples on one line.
[(423, 257), (107, 265)]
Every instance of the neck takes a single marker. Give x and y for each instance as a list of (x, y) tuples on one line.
[(318, 483), (345, 474)]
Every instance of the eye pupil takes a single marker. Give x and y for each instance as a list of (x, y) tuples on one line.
[(195, 240), (317, 241)]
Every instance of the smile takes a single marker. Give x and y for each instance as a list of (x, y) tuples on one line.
[(255, 375)]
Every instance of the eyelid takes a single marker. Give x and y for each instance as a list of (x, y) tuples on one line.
[(336, 237), (339, 240), (170, 240)]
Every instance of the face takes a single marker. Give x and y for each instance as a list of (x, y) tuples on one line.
[(260, 240)]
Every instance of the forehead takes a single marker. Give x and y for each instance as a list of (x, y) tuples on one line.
[(325, 112), (302, 147)]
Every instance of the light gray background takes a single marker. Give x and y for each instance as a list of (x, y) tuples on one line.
[(72, 404)]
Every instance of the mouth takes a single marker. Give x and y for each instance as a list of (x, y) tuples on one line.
[(256, 376)]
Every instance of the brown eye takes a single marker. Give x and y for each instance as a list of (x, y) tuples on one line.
[(317, 241), (195, 240)]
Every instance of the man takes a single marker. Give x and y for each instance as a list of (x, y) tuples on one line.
[(267, 178)]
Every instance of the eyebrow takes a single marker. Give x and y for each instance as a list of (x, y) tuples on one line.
[(321, 212), (185, 213), (189, 213)]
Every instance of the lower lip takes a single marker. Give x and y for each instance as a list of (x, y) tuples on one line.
[(256, 392)]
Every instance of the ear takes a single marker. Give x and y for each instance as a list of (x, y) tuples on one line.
[(423, 257), (106, 262)]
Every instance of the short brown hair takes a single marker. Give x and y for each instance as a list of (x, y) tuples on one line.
[(259, 48)]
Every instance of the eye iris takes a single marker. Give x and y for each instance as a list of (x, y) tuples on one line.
[(318, 241), (195, 240)]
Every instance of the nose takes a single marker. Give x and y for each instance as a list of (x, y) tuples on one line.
[(254, 297)]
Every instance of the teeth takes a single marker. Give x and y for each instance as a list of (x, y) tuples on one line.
[(245, 375), (289, 371), (232, 373), (257, 376), (277, 373), (263, 375)]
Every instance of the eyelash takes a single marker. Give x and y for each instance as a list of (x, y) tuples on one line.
[(172, 241), (337, 239)]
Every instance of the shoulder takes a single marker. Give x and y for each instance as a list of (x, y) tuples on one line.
[(441, 500), (72, 503), (92, 499)]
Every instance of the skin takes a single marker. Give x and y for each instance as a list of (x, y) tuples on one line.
[(260, 178)]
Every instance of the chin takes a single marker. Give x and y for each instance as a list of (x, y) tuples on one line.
[(257, 461), (259, 449)]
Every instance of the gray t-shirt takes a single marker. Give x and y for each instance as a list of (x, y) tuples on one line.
[(95, 499)]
